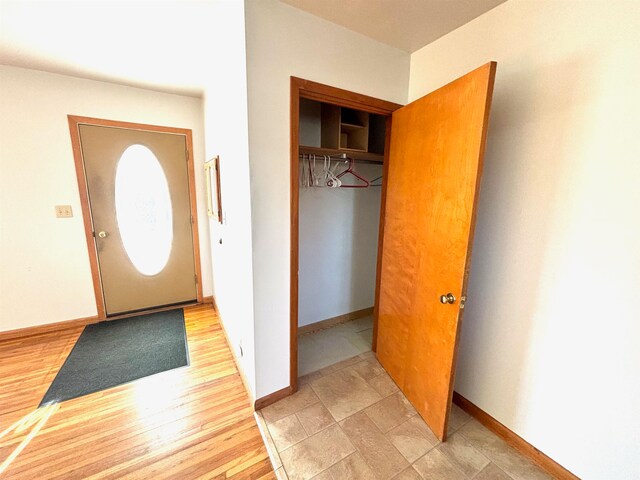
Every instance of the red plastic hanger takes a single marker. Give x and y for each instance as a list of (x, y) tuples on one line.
[(355, 174)]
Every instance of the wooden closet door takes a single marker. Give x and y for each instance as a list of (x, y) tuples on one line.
[(435, 161)]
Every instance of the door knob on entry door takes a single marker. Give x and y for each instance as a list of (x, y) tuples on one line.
[(103, 234), (448, 298)]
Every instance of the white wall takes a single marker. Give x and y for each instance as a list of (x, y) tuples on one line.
[(44, 260), (338, 249), (283, 41), (226, 134), (550, 335), (338, 238)]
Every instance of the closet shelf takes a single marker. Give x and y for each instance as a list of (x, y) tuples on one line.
[(351, 126), (357, 155), (352, 150)]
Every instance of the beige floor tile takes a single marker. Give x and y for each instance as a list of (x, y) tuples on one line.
[(308, 458), (381, 456), (497, 450), (462, 455), (364, 399), (340, 365), (315, 418), (383, 384), (360, 340), (457, 418), (344, 393), (323, 476), (286, 432), (353, 468), (304, 397), (391, 412), (281, 474), (368, 355), (368, 369), (435, 466), (361, 324), (266, 436), (367, 335), (331, 345), (308, 378), (492, 472), (319, 350), (412, 438), (408, 474)]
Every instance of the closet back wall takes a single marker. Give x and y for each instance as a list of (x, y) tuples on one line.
[(338, 248)]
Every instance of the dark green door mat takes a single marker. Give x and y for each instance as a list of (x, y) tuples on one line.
[(120, 351)]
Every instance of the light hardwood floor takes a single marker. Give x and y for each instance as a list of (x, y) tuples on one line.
[(192, 422)]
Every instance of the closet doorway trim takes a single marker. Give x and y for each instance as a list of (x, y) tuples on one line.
[(301, 88)]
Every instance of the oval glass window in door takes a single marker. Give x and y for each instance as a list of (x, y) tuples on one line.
[(143, 209)]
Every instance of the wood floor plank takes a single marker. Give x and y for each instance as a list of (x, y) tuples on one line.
[(191, 422)]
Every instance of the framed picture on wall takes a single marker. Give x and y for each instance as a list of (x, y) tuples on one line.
[(214, 194)]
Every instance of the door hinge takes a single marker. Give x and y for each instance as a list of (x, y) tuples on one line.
[(195, 277), (191, 218), (463, 300)]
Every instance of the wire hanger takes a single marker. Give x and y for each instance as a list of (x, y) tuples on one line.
[(365, 182), (304, 174), (373, 184), (331, 180)]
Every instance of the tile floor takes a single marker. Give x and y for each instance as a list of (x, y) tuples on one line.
[(323, 348), (349, 421)]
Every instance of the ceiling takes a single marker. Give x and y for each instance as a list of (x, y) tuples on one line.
[(404, 24), (164, 45), (159, 46)]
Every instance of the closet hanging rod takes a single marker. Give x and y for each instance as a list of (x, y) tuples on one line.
[(338, 156), (334, 156)]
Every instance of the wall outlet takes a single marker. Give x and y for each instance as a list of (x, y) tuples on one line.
[(63, 211)]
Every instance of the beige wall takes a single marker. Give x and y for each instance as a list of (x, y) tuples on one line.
[(550, 336), (44, 261), (283, 41)]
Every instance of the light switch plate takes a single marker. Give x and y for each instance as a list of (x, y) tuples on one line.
[(63, 211)]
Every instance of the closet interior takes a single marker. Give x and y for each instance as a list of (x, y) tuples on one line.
[(341, 154)]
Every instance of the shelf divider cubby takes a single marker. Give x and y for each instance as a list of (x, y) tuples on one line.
[(327, 129), (354, 129), (330, 126)]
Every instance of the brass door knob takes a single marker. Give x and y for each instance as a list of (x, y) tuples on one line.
[(103, 234), (448, 298)]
